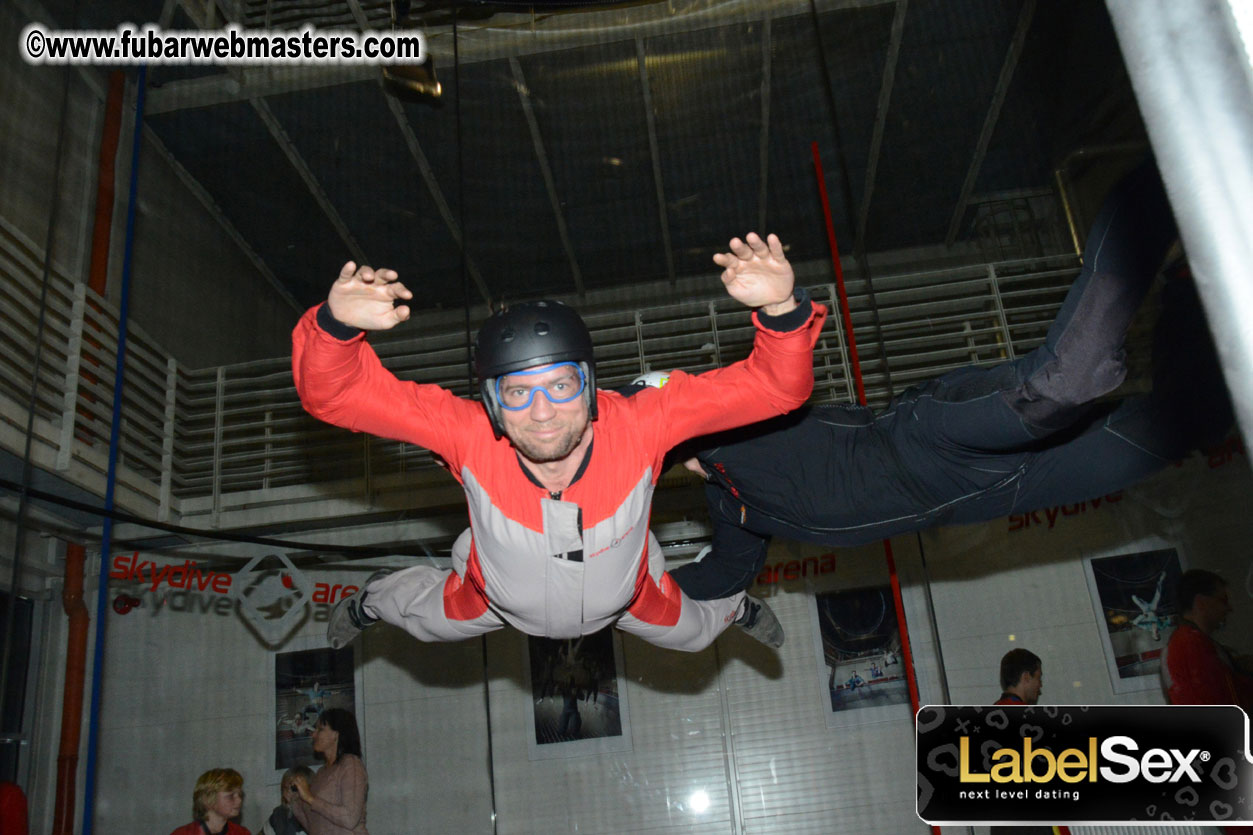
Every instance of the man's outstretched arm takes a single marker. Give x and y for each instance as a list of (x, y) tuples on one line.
[(339, 377), (777, 377)]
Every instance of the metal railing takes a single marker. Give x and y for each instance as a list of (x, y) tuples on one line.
[(199, 436)]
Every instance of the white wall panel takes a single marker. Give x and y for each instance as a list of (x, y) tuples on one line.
[(676, 750), (28, 138), (990, 582), (218, 287), (425, 734), (794, 772), (186, 691)]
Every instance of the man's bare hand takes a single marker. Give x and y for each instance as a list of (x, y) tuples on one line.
[(757, 274), (362, 298)]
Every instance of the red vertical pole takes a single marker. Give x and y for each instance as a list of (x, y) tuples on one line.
[(75, 555), (72, 693), (839, 277), (906, 652)]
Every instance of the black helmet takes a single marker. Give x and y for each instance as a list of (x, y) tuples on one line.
[(527, 335)]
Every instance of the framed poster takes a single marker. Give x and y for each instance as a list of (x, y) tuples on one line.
[(861, 675), (579, 705), (308, 681), (1133, 595)]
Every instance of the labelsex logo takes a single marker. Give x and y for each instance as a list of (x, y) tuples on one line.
[(1040, 765)]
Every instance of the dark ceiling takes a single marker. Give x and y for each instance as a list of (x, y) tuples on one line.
[(603, 147)]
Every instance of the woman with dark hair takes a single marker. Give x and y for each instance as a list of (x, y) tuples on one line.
[(217, 798), (333, 803)]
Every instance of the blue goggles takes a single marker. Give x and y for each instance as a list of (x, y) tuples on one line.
[(517, 396)]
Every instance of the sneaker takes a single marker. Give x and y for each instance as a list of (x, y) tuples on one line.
[(347, 618), (758, 620)]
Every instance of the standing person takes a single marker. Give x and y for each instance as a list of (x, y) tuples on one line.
[(558, 476), (1195, 668), (282, 821), (218, 797), (1022, 678), (333, 802), (13, 810), (980, 443)]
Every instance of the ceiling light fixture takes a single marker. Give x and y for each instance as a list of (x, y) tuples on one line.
[(411, 82)]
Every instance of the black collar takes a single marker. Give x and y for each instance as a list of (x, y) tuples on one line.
[(587, 457)]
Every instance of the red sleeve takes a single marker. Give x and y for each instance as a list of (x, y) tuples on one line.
[(777, 377), (343, 383), (1197, 675)]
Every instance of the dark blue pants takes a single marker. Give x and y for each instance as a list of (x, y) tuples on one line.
[(981, 443)]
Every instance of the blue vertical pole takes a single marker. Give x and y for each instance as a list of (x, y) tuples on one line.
[(97, 667)]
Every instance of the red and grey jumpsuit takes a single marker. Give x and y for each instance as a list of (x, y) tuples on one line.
[(563, 565)]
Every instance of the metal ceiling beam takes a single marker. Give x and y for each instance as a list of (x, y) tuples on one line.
[(91, 78), (166, 20), (207, 18), (276, 130), (524, 95), (358, 13), (994, 113), (437, 194), (650, 118), (890, 62), (424, 167), (323, 15), (252, 82), (764, 145), (215, 211), (504, 36)]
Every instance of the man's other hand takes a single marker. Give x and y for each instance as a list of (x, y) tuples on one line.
[(362, 297), (757, 274)]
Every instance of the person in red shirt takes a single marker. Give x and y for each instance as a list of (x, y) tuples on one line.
[(218, 797), (13, 817), (1022, 678), (1196, 669)]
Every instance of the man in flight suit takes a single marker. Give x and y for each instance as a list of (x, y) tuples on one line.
[(558, 477)]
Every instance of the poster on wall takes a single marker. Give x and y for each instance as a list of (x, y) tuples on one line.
[(1133, 593), (579, 705), (858, 646), (307, 682)]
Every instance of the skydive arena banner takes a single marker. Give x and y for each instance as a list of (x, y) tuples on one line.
[(1083, 765)]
